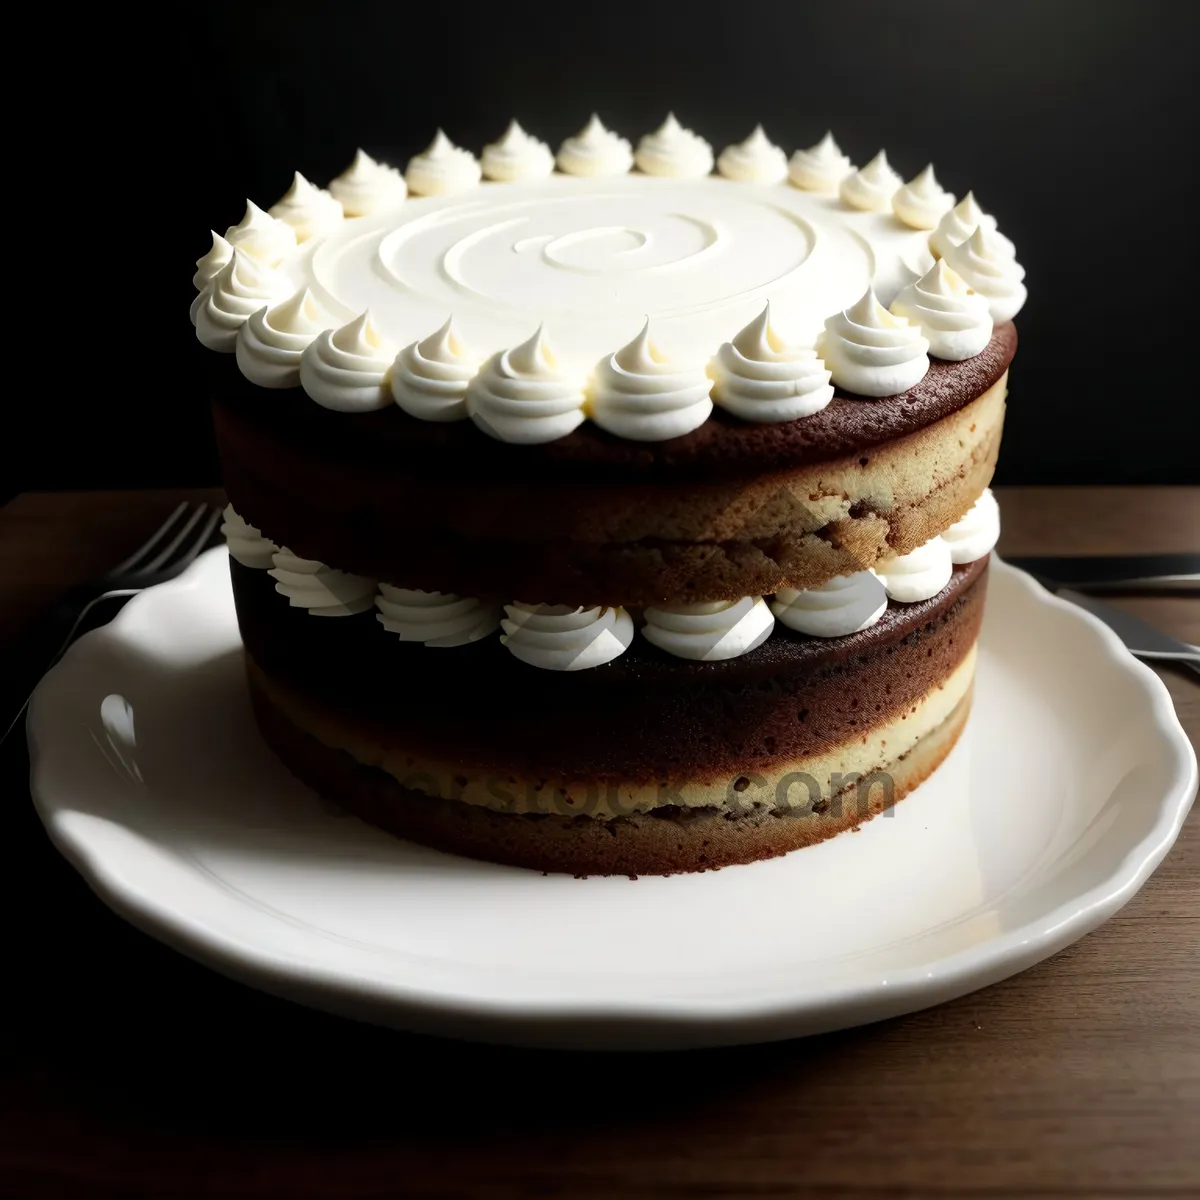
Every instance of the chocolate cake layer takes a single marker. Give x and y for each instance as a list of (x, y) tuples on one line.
[(645, 717), (589, 540)]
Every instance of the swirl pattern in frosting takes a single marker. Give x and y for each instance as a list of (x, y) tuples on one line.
[(246, 542), (959, 222), (871, 188), (844, 605), (871, 352), (346, 369), (208, 264), (430, 377), (638, 393), (820, 168), (442, 169), (437, 619), (522, 396), (920, 575), (516, 156), (595, 151), (557, 637), (756, 160), (239, 289), (759, 377), (975, 535), (262, 236), (309, 210), (674, 152), (709, 632), (367, 186), (954, 319), (985, 265), (324, 591), (271, 343), (922, 201)]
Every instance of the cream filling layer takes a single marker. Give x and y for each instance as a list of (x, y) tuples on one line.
[(786, 785)]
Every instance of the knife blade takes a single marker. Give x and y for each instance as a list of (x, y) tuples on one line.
[(1098, 572), (1140, 637)]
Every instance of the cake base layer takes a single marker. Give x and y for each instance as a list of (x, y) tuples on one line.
[(665, 841)]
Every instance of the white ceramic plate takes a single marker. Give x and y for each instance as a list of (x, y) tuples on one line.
[(1065, 792)]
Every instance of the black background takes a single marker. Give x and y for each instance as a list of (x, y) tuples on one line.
[(1074, 122)]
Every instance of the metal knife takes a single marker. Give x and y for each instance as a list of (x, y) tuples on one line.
[(1104, 572), (1140, 638)]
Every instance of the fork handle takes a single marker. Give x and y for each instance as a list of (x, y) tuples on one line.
[(46, 644)]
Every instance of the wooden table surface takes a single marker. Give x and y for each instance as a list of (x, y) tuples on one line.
[(138, 1073)]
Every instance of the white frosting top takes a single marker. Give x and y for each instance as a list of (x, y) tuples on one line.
[(516, 156), (922, 201), (872, 187), (977, 533), (442, 169), (820, 168), (871, 352), (208, 264), (920, 575), (367, 186), (674, 151), (430, 377), (322, 590), (709, 632), (844, 605), (523, 395), (262, 236), (985, 265), (271, 342), (595, 151), (760, 377), (957, 224), (240, 288), (556, 637), (954, 319), (346, 368), (439, 619), (756, 160), (310, 211), (246, 543), (641, 394)]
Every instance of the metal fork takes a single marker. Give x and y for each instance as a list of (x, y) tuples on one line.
[(167, 552)]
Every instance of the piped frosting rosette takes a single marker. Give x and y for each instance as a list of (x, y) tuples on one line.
[(845, 604), (985, 265), (871, 188), (436, 619), (756, 160), (595, 151), (640, 394), (820, 168), (556, 637), (367, 186), (674, 152), (238, 290), (954, 318), (709, 632), (516, 156), (919, 575), (271, 343), (523, 396), (871, 352), (309, 210), (322, 590), (959, 222), (442, 169), (346, 369), (430, 377), (761, 378), (975, 535), (210, 263), (262, 236), (922, 201)]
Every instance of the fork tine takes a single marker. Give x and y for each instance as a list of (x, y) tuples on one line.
[(148, 547), (197, 542), (166, 552)]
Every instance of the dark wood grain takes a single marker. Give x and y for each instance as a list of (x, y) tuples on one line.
[(138, 1073)]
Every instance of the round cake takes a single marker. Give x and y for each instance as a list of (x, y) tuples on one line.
[(647, 488)]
